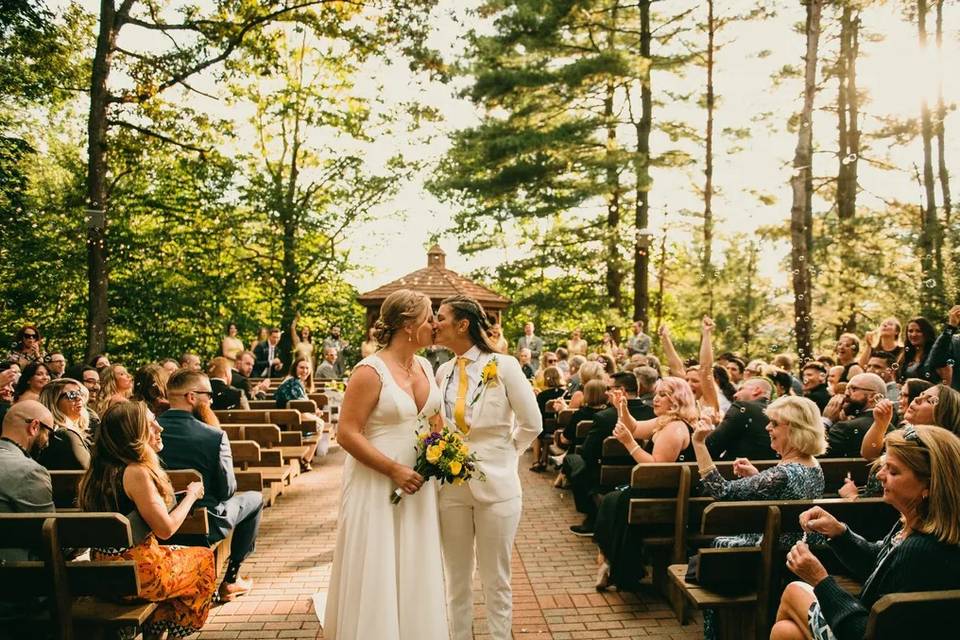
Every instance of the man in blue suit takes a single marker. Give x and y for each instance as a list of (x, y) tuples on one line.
[(188, 443)]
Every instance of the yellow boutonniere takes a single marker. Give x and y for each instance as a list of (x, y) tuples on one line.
[(488, 378)]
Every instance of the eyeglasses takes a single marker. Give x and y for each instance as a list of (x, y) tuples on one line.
[(41, 423), (926, 399), (202, 392), (70, 395)]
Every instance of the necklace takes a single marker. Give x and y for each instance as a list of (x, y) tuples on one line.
[(406, 368)]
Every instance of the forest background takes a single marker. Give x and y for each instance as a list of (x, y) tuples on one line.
[(167, 167)]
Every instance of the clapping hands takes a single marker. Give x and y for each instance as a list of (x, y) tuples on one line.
[(743, 468)]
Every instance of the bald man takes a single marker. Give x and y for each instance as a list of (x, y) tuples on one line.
[(855, 416), (24, 484)]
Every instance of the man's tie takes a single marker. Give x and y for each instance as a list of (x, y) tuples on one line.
[(460, 407)]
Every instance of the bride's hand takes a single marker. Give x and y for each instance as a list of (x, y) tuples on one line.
[(406, 478)]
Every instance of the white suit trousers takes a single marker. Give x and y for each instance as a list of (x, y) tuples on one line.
[(490, 527)]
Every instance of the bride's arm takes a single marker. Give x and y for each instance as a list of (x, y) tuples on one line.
[(359, 401)]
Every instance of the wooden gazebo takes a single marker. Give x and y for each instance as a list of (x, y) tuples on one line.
[(437, 282)]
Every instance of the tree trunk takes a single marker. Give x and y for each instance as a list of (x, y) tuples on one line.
[(931, 257), (661, 274), (614, 271), (944, 175), (848, 116), (641, 252), (97, 168), (706, 267), (801, 210), (746, 332)]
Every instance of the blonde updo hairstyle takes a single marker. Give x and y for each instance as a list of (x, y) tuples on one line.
[(401, 309)]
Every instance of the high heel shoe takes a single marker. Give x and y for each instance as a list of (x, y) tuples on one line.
[(603, 577)]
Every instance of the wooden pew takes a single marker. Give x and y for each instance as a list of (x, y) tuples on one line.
[(743, 584), (268, 436), (248, 456), (922, 614), (286, 419), (616, 465), (73, 588)]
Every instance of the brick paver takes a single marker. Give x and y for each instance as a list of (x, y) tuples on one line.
[(553, 572)]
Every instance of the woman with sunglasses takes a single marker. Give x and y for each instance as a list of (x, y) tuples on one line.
[(921, 553), (69, 447), (27, 347)]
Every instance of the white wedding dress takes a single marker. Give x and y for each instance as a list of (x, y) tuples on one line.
[(387, 578)]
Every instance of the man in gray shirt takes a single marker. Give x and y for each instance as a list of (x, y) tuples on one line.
[(530, 341), (24, 484), (639, 342)]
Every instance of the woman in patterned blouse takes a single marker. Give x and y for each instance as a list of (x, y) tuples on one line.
[(797, 435)]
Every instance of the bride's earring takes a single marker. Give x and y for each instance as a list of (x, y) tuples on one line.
[(409, 337)]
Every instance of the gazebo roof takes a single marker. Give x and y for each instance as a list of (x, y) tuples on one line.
[(437, 282)]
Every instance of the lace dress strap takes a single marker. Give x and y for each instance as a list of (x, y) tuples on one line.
[(375, 363)]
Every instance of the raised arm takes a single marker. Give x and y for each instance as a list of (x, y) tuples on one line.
[(674, 363), (866, 346), (708, 388), (294, 338), (872, 444)]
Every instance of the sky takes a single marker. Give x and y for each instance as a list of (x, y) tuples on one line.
[(892, 72)]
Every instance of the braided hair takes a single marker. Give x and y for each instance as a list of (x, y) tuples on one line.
[(466, 308)]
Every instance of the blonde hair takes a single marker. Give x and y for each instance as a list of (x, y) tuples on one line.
[(933, 455), (108, 388), (401, 308), (591, 370), (678, 390), (802, 416), (50, 398)]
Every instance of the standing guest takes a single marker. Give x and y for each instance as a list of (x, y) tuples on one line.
[(169, 365), (576, 345), (881, 363), (189, 443), (125, 477), (639, 342), (369, 346), (99, 361), (918, 355), (796, 434), (608, 348), (885, 339), (735, 367), (946, 348), (34, 378), (240, 378), (225, 395), (785, 361), (334, 340), (297, 384), (849, 416), (116, 385), (921, 552), (263, 334), (56, 364), (267, 353), (529, 340), (69, 446), (496, 338), (848, 350), (27, 346), (525, 358), (24, 484), (231, 345), (190, 361), (150, 387), (302, 340), (329, 369)]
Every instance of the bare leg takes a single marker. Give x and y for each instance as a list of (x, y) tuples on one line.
[(792, 621)]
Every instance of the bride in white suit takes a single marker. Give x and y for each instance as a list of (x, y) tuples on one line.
[(491, 402)]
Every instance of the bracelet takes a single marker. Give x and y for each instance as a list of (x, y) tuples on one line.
[(633, 450)]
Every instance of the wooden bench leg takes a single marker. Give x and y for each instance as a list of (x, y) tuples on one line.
[(735, 623)]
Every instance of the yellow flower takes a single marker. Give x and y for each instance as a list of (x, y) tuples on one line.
[(455, 468), (424, 434), (489, 371), (442, 445), (433, 454), (464, 450)]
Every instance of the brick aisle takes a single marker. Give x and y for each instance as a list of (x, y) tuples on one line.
[(553, 572)]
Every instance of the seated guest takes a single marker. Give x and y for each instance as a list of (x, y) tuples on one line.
[(796, 434), (594, 400), (553, 389), (525, 358), (591, 370), (190, 361), (628, 418), (56, 364), (8, 377), (785, 362), (296, 385), (239, 378), (848, 351), (850, 418), (169, 365), (919, 359), (881, 364), (742, 431), (946, 348), (573, 375), (90, 379), (547, 359), (836, 386), (328, 368), (98, 361), (35, 376), (884, 340), (69, 446), (150, 387), (188, 443), (921, 552), (116, 385), (225, 396), (125, 477)]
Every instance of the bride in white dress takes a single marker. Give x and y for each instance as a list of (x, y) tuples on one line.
[(387, 578)]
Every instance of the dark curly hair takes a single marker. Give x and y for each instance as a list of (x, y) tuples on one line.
[(466, 308)]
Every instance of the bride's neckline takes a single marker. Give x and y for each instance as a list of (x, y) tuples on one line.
[(411, 396)]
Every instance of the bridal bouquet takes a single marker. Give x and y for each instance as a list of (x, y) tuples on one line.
[(442, 454)]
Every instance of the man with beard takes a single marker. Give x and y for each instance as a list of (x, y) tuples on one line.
[(743, 431), (815, 384), (188, 443), (239, 378), (24, 484), (849, 416)]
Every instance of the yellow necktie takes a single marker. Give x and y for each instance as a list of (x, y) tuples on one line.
[(460, 407)]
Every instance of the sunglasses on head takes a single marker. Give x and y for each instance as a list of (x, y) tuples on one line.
[(70, 395)]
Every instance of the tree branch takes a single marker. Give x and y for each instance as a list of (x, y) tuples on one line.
[(156, 134)]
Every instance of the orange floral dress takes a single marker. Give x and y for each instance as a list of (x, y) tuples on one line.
[(182, 580)]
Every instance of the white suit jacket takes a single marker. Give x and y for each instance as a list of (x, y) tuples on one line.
[(505, 420)]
